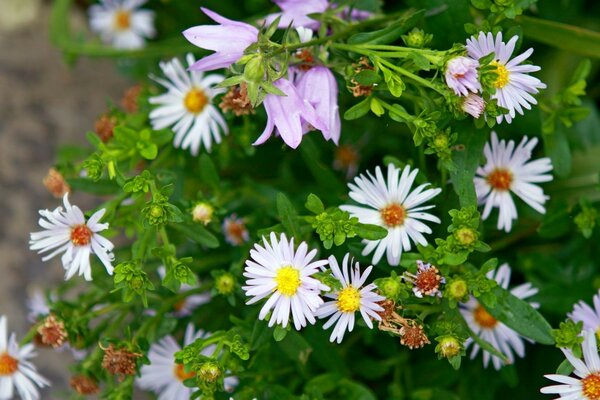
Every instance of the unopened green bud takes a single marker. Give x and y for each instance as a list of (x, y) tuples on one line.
[(586, 221), (390, 287), (209, 372), (417, 38), (448, 346), (465, 236), (225, 283), (458, 289), (254, 71)]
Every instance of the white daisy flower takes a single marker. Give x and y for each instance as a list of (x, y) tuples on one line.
[(488, 328), (165, 377), (16, 371), (37, 306), (187, 106), (393, 206), (586, 384), (121, 23), (66, 231), (188, 304), (513, 85), (352, 297), (235, 231), (588, 315), (284, 275), (509, 169)]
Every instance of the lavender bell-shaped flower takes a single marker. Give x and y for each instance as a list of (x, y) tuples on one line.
[(296, 12), (229, 39), (319, 87), (289, 114)]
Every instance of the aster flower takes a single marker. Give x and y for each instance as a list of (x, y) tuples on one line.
[(188, 304), (393, 206), (16, 371), (229, 39), (235, 231), (284, 275), (586, 314), (513, 85), (427, 281), (473, 105), (351, 298), (121, 23), (488, 328), (187, 106), (509, 169), (461, 75), (37, 306), (319, 87), (290, 115), (586, 384), (66, 231)]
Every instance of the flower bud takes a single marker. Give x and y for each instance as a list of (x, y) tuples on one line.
[(254, 71), (225, 283), (465, 236), (203, 213), (448, 346), (390, 287), (417, 38), (458, 289), (473, 105), (209, 372)]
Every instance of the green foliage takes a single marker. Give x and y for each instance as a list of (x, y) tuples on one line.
[(132, 281)]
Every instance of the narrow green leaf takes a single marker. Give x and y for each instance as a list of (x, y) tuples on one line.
[(197, 233), (392, 32), (102, 186), (208, 172), (370, 232), (558, 149), (358, 110), (466, 161), (287, 214), (520, 316), (279, 333), (314, 204)]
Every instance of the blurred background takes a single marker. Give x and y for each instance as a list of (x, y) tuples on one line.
[(44, 103)]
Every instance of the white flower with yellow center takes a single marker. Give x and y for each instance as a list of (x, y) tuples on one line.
[(513, 85), (187, 106), (350, 299), (586, 384), (590, 317), (121, 23), (393, 206), (164, 376), (66, 231), (284, 275), (488, 328), (16, 371), (509, 169)]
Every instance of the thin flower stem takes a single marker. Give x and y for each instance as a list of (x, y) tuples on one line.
[(412, 76)]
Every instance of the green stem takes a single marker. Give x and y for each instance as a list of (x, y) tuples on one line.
[(412, 76)]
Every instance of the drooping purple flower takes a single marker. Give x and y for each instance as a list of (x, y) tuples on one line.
[(319, 87), (461, 75), (473, 105), (296, 12), (290, 114), (229, 39)]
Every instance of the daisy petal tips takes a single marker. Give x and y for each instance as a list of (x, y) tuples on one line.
[(283, 274), (350, 299), (392, 204), (68, 232), (228, 40), (509, 170)]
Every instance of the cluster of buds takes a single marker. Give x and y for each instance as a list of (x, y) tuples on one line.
[(411, 332), (427, 281), (52, 332)]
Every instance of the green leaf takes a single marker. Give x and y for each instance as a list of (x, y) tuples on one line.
[(467, 161), (208, 172), (520, 316), (367, 77), (390, 33), (565, 368), (287, 214), (296, 347), (394, 83), (351, 390), (197, 233), (102, 186), (314, 204), (557, 148), (556, 222), (279, 333), (376, 107), (147, 150), (566, 37), (370, 232), (358, 110)]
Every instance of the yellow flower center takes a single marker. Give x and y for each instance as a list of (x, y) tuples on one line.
[(503, 74), (8, 364), (81, 235), (590, 386), (122, 20), (181, 374), (288, 280), (483, 318), (348, 300), (500, 179), (393, 215), (195, 100)]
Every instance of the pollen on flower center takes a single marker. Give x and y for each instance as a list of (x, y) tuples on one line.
[(8, 364), (484, 318), (81, 235), (500, 179), (180, 373), (503, 74), (590, 386), (349, 300), (195, 100), (393, 215), (122, 20), (288, 280)]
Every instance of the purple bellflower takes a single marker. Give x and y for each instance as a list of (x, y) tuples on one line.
[(229, 39), (296, 12)]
